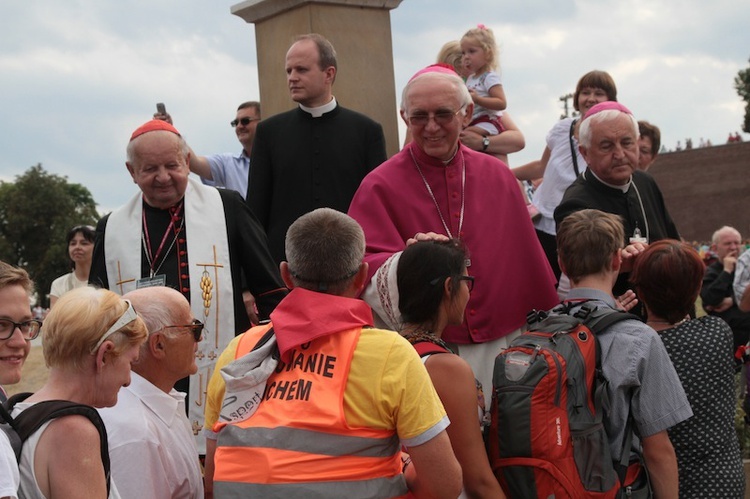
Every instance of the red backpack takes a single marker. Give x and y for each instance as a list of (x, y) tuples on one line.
[(546, 437)]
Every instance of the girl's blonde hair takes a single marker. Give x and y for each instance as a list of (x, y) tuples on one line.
[(485, 38)]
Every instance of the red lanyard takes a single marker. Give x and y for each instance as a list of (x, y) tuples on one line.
[(170, 228)]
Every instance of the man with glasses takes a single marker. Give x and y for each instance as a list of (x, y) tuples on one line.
[(437, 188), (228, 170), (151, 445), (315, 155), (17, 329), (199, 240)]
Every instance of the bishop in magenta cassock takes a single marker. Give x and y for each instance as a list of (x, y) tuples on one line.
[(436, 187)]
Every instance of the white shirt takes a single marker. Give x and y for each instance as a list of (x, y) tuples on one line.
[(65, 283), (151, 444), (9, 479)]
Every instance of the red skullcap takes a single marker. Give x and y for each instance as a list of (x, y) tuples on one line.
[(605, 106), (440, 67), (154, 125)]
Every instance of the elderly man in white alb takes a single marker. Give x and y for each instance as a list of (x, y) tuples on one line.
[(152, 452), (199, 240)]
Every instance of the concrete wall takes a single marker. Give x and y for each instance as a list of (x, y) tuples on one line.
[(361, 36), (706, 188)]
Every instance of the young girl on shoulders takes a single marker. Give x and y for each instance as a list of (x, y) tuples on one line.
[(480, 62)]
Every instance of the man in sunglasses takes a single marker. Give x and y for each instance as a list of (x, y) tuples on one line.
[(17, 329), (437, 188), (228, 170), (151, 445)]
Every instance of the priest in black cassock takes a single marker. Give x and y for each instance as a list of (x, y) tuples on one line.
[(199, 240)]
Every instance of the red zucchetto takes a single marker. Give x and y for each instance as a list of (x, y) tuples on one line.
[(154, 125)]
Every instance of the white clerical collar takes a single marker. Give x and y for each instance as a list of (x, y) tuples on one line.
[(623, 188), (319, 111)]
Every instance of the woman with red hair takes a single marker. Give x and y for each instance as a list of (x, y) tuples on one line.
[(667, 277)]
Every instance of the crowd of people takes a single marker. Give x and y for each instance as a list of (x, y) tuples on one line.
[(314, 319)]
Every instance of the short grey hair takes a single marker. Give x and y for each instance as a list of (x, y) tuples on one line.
[(155, 306), (584, 134), (462, 93), (324, 250), (719, 232), (130, 151)]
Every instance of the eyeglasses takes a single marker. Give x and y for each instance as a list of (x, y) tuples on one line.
[(441, 118), (29, 329), (195, 328), (469, 281), (126, 318), (243, 121), (468, 278)]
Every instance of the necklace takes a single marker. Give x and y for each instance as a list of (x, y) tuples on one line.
[(670, 324), (420, 336), (434, 200)]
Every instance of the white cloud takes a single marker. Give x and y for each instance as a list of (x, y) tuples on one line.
[(78, 76)]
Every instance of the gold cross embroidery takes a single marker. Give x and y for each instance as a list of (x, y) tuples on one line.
[(121, 281), (207, 286)]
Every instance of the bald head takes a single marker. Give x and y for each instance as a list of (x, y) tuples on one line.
[(160, 306)]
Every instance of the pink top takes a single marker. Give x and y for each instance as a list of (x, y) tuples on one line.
[(511, 273)]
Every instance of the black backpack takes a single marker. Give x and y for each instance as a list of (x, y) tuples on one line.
[(20, 428)]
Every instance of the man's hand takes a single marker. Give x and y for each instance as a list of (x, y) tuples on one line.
[(426, 236), (629, 253), (627, 300), (252, 311), (725, 304), (164, 117), (730, 261)]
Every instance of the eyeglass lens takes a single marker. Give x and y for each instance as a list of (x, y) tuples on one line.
[(29, 329)]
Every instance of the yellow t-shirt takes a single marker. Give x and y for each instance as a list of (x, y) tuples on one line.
[(388, 388)]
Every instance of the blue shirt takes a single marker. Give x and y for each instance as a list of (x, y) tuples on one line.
[(229, 171)]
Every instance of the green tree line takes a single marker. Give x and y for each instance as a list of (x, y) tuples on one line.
[(36, 212)]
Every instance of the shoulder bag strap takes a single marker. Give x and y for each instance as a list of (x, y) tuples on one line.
[(573, 154)]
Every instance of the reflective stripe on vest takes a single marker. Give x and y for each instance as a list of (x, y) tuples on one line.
[(299, 440), (373, 489)]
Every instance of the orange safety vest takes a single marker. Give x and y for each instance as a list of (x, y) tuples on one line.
[(298, 443)]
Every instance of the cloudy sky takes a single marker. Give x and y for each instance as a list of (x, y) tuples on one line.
[(76, 77)]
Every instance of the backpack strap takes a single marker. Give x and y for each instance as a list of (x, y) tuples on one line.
[(8, 426), (598, 320), (573, 154), (31, 419)]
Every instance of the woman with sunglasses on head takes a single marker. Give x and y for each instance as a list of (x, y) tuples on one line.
[(434, 288), (90, 339), (80, 241)]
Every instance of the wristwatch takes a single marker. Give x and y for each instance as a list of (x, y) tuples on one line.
[(485, 143)]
